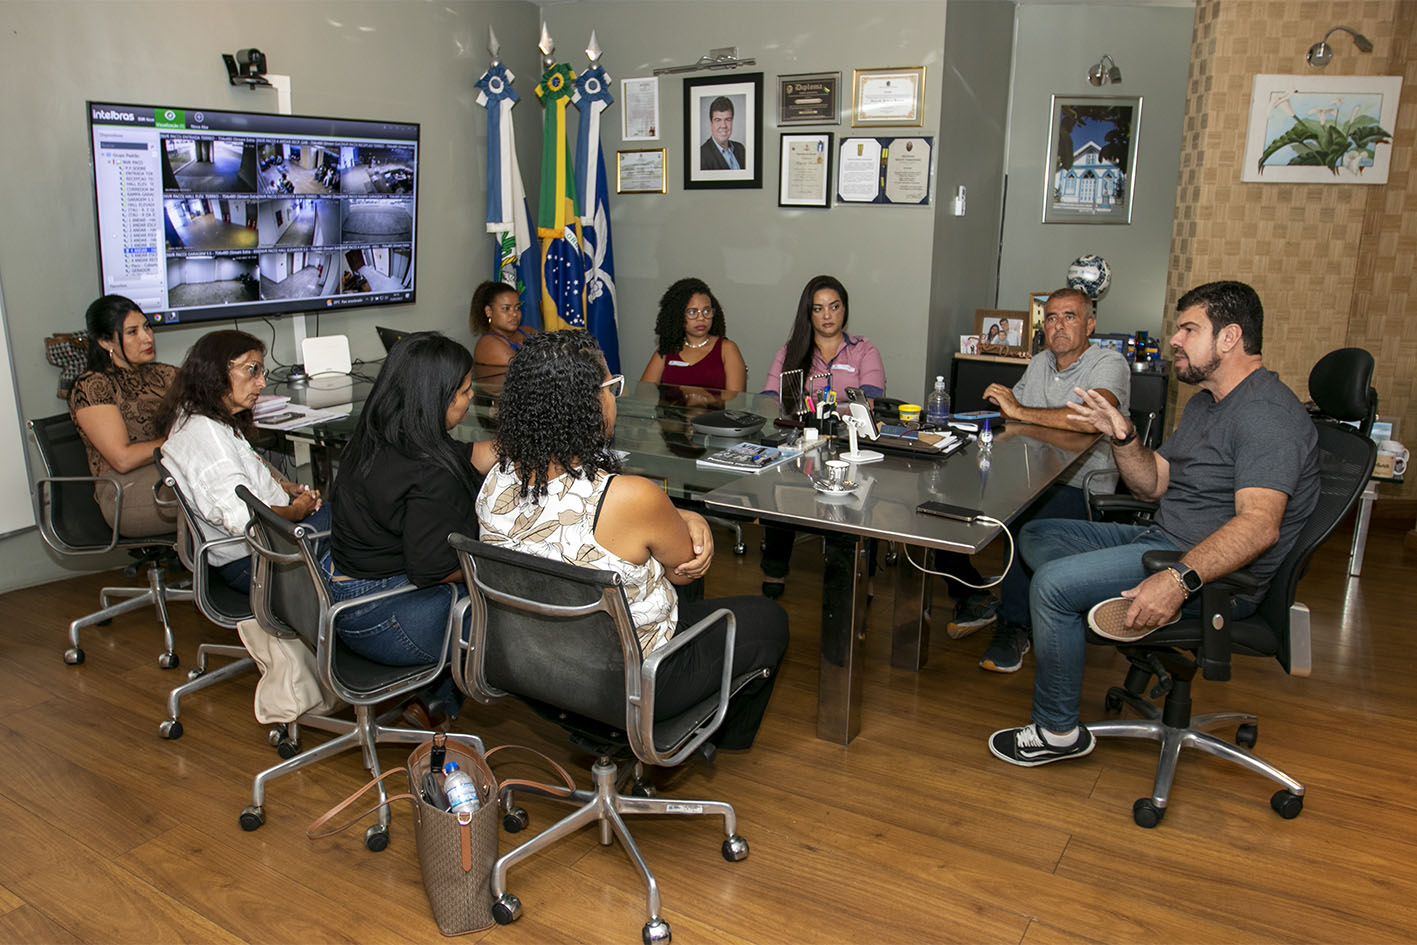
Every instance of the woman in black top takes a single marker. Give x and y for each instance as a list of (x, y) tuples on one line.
[(404, 483)]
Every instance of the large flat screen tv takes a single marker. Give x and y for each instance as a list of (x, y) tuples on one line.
[(206, 214)]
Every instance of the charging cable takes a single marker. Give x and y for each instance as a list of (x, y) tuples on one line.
[(992, 582)]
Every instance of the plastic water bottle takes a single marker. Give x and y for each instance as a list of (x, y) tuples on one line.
[(460, 789), (937, 405)]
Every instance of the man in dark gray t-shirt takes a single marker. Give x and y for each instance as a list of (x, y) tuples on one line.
[(1236, 481)]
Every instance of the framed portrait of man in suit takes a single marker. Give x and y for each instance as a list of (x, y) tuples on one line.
[(723, 132)]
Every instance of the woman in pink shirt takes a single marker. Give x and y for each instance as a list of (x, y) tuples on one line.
[(819, 345)]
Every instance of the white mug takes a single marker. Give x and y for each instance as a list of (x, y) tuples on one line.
[(1399, 453)]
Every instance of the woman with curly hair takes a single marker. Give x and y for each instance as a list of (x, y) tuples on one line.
[(693, 350), (207, 416), (496, 315), (556, 492)]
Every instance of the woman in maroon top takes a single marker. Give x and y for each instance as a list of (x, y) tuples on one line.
[(692, 350)]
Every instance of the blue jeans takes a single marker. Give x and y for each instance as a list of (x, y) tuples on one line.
[(237, 574), (1060, 501), (1075, 565), (405, 630)]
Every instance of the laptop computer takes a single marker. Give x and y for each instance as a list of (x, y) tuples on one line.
[(391, 336)]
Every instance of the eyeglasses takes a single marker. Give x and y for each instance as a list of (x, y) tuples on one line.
[(252, 368), (616, 383), (698, 313)]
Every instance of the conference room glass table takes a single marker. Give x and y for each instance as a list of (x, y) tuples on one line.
[(1001, 482), (654, 431)]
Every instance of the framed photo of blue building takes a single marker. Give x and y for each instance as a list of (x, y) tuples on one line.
[(1091, 162)]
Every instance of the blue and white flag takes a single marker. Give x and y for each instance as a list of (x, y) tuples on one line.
[(593, 97), (514, 250)]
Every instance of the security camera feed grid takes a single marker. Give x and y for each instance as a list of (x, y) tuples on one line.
[(224, 215)]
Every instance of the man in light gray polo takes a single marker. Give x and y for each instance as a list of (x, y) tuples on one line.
[(1041, 396)]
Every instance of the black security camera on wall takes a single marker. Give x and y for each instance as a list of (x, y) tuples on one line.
[(247, 67)]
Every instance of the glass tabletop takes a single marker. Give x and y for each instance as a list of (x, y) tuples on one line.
[(654, 425)]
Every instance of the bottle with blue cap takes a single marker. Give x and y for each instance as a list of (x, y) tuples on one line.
[(460, 789)]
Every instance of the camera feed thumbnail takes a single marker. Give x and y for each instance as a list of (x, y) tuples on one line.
[(376, 270), (378, 219), (376, 170), (208, 166), (205, 224), (298, 221), (299, 169), (206, 280), (299, 275)]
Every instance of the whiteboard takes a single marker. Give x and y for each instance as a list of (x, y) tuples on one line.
[(16, 511)]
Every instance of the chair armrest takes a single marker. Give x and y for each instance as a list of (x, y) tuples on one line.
[(1216, 603), (649, 671), (340, 607), (47, 522), (1120, 503)]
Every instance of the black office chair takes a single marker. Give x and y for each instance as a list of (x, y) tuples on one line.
[(291, 598), (71, 522), (1279, 629), (1340, 386), (214, 598), (560, 638)]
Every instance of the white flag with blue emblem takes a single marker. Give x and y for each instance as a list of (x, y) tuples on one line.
[(593, 97), (514, 249)]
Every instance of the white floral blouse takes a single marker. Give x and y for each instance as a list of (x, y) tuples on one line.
[(562, 527)]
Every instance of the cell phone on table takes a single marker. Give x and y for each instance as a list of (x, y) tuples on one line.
[(896, 430), (944, 510)]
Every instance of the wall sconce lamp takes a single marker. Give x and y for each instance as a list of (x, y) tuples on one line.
[(723, 58), (1321, 53), (1104, 72)]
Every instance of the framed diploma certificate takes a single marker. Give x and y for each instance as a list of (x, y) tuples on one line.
[(804, 177), (808, 99), (881, 97), (640, 172)]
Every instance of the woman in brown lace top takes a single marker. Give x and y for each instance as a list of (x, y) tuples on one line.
[(115, 405)]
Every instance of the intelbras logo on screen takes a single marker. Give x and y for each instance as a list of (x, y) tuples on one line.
[(119, 115)]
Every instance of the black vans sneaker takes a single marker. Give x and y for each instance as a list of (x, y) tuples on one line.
[(1026, 746)]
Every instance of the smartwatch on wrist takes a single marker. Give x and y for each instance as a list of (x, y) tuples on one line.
[(1116, 443), (1188, 577)]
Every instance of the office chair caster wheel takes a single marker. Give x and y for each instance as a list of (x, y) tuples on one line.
[(735, 849), (1113, 701), (642, 789), (376, 838), (168, 660), (507, 909), (1246, 735), (73, 656), (195, 674), (287, 748), (740, 549), (170, 729), (1287, 805), (252, 818), (1146, 813), (656, 932), (515, 820)]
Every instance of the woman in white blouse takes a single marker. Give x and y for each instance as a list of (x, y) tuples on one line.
[(208, 418)]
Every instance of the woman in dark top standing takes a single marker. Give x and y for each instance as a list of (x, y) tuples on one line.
[(693, 350), (115, 405), (404, 483)]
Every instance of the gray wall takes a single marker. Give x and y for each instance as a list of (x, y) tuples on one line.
[(974, 136), (755, 255), (1056, 45), (378, 59)]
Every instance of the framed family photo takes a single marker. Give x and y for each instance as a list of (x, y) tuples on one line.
[(723, 132), (1091, 163), (1003, 332)]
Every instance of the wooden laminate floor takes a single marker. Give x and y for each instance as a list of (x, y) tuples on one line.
[(912, 834)]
